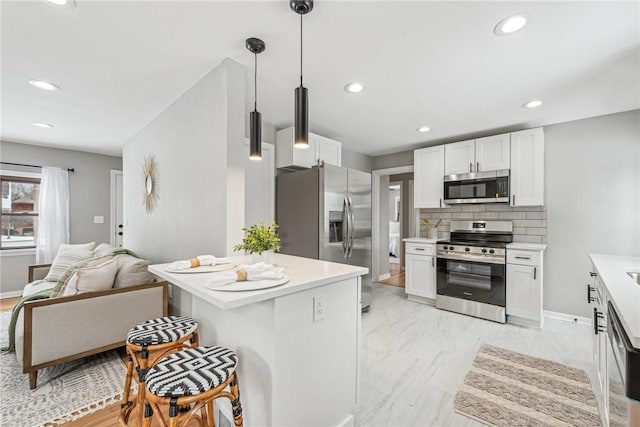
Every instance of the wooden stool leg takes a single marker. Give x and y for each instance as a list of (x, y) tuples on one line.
[(127, 383), (148, 415), (173, 412), (212, 415), (235, 403), (195, 339), (143, 368)]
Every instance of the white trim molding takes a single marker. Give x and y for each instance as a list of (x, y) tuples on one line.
[(10, 294), (567, 317), (18, 252), (384, 277)]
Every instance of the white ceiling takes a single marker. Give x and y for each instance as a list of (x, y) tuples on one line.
[(423, 63)]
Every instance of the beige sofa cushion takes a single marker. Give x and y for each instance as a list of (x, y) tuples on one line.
[(132, 271), (37, 286), (92, 279)]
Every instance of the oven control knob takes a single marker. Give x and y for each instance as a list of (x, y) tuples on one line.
[(491, 251), (450, 248), (484, 251), (467, 249)]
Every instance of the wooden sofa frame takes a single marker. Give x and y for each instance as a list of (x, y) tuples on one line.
[(131, 295)]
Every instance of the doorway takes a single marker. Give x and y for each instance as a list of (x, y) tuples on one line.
[(116, 223), (393, 220)]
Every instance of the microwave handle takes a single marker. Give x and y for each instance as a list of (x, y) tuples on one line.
[(470, 167), (477, 166), (513, 200)]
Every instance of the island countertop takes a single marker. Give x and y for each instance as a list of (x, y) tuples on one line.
[(623, 291), (304, 273)]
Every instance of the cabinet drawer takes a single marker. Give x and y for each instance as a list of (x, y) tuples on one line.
[(521, 257), (420, 249)]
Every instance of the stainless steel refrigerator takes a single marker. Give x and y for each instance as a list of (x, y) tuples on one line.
[(325, 213)]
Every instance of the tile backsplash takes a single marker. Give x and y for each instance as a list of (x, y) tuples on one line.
[(529, 223)]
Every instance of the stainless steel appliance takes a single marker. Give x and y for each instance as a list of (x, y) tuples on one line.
[(325, 213), (480, 187), (471, 269), (623, 362)]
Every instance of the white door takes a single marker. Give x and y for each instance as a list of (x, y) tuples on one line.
[(259, 182), (459, 157), (527, 168), (428, 173), (117, 222), (493, 153)]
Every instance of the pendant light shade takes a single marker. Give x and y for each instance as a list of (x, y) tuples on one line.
[(255, 46), (301, 115)]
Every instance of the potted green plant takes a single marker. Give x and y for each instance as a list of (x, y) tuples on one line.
[(259, 238)]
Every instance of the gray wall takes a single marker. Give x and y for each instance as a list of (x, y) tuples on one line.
[(355, 160), (592, 176), (90, 195), (198, 142)]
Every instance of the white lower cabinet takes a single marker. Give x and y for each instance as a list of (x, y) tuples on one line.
[(420, 272), (524, 287)]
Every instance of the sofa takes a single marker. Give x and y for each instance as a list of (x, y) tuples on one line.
[(85, 322)]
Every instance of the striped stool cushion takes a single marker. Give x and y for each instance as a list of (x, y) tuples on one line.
[(191, 371), (162, 330)]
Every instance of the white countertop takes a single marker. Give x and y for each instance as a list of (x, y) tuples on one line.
[(421, 240), (527, 246), (304, 273), (623, 291)]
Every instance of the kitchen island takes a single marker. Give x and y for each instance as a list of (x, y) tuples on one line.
[(297, 343)]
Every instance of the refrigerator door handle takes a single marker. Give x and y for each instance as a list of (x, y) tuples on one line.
[(345, 228), (352, 227)]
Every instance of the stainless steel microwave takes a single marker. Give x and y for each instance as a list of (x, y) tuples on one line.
[(480, 187)]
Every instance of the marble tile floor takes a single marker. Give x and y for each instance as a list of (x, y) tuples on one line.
[(415, 357)]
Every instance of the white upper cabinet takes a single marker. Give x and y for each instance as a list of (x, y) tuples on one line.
[(493, 153), (320, 149), (477, 155), (428, 169), (527, 168), (459, 157)]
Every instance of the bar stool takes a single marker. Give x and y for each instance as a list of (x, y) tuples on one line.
[(195, 376), (159, 336)]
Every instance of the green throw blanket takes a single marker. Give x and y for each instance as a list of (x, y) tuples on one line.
[(57, 290)]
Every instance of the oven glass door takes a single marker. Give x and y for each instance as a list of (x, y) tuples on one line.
[(470, 280), (617, 412)]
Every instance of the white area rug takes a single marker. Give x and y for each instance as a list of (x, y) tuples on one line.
[(65, 392)]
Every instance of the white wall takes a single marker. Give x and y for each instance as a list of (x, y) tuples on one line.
[(592, 180), (198, 144), (592, 176)]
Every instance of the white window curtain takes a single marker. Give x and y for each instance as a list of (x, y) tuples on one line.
[(53, 223)]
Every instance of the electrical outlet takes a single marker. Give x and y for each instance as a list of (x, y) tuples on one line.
[(319, 308), (98, 220)]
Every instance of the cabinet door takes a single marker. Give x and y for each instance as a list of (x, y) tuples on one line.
[(527, 168), (493, 153), (329, 151), (428, 169), (459, 157), (420, 275), (306, 157), (524, 294)]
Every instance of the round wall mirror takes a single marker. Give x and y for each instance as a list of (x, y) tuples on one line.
[(148, 184)]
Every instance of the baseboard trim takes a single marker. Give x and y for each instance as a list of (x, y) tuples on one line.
[(10, 294), (384, 277), (348, 422), (567, 317)]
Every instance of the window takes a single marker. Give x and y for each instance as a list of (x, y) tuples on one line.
[(19, 212)]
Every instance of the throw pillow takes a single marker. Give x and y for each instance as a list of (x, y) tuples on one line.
[(103, 249), (82, 246), (132, 271), (92, 279), (64, 260)]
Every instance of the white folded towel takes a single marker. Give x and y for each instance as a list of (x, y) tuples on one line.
[(259, 271), (196, 262)]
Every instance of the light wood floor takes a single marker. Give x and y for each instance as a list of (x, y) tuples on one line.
[(397, 276)]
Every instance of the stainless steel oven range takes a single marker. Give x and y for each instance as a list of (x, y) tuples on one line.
[(471, 269)]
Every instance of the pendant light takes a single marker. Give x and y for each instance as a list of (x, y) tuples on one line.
[(301, 126), (255, 46)]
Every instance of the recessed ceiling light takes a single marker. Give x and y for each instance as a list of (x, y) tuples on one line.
[(510, 25), (532, 104), (354, 87), (42, 125), (69, 4), (41, 84), (423, 129)]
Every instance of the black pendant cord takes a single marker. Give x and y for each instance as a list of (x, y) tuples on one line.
[(255, 83), (301, 50)]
